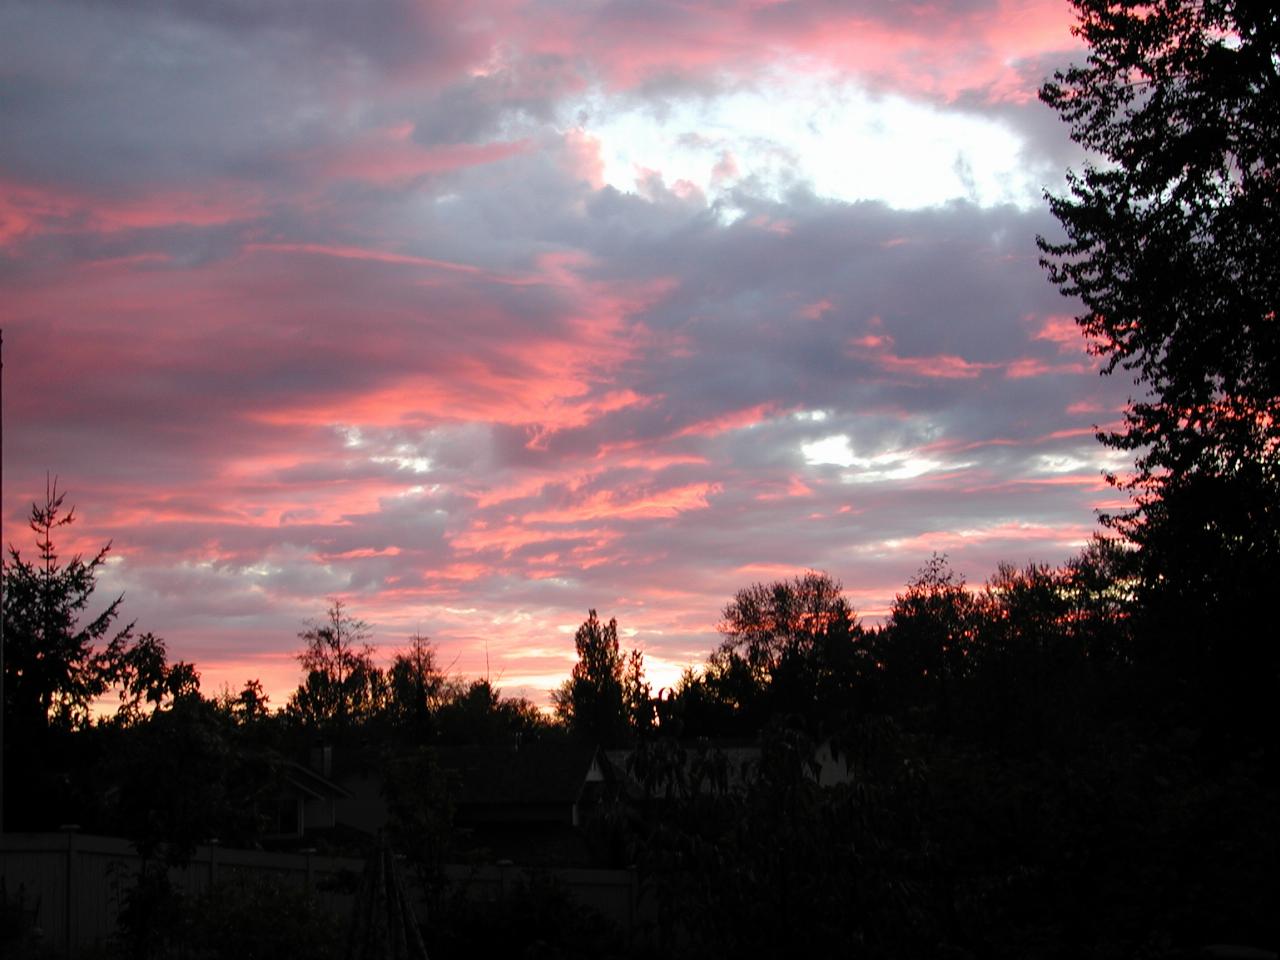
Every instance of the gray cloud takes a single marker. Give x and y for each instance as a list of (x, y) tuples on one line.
[(282, 340)]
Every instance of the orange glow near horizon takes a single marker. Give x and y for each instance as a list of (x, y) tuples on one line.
[(395, 315)]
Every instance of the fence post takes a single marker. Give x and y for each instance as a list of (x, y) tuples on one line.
[(69, 921), (502, 879), (632, 894)]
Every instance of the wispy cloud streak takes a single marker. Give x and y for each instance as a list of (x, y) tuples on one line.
[(300, 303)]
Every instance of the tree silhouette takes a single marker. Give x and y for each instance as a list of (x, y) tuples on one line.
[(925, 649), (54, 666), (1171, 239), (637, 695), (590, 703), (142, 674), (1170, 245), (249, 706), (415, 686), (792, 643), (477, 713), (342, 682)]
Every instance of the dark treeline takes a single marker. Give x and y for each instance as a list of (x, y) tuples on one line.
[(1037, 766), (1074, 761), (103, 731)]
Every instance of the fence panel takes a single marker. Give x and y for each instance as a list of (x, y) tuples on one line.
[(75, 885)]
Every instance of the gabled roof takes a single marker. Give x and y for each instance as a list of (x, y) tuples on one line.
[(537, 773), (311, 783)]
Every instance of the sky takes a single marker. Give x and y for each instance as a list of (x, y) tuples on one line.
[(478, 314)]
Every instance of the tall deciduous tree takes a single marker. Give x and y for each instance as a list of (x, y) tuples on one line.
[(925, 648), (591, 701), (790, 646), (768, 624), (342, 682), (638, 704), (54, 665), (142, 674), (1171, 236), (415, 685), (248, 707)]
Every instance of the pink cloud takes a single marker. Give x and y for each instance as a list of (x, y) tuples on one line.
[(523, 488), (944, 366), (1086, 406), (725, 169), (512, 536), (1064, 332), (630, 505), (24, 209), (937, 51), (1009, 532), (28, 210), (794, 487), (580, 414), (735, 420), (390, 156), (766, 571), (275, 362), (1031, 367), (360, 253), (363, 553), (878, 349), (582, 158), (816, 310), (656, 462)]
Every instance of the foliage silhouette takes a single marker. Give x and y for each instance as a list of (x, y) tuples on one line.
[(1170, 245), (55, 662), (250, 706), (790, 646), (415, 687), (420, 815), (141, 673), (927, 644), (184, 777), (605, 699), (1011, 791), (342, 684), (252, 917), (477, 713)]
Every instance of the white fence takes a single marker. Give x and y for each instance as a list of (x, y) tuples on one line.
[(73, 884)]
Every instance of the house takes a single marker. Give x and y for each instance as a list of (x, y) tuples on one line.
[(522, 802), (552, 783), (675, 768), (307, 800)]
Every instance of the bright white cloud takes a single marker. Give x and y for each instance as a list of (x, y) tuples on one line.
[(830, 450), (895, 466), (889, 465), (840, 140)]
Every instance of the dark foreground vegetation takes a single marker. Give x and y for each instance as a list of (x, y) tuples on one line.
[(1061, 762), (1038, 767)]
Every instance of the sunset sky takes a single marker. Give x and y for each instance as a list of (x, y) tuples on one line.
[(480, 313)]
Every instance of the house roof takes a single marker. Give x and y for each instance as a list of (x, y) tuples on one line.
[(537, 773), (311, 783)]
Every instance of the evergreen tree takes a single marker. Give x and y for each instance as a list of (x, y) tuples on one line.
[(56, 661)]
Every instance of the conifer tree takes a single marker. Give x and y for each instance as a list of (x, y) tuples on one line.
[(56, 661)]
